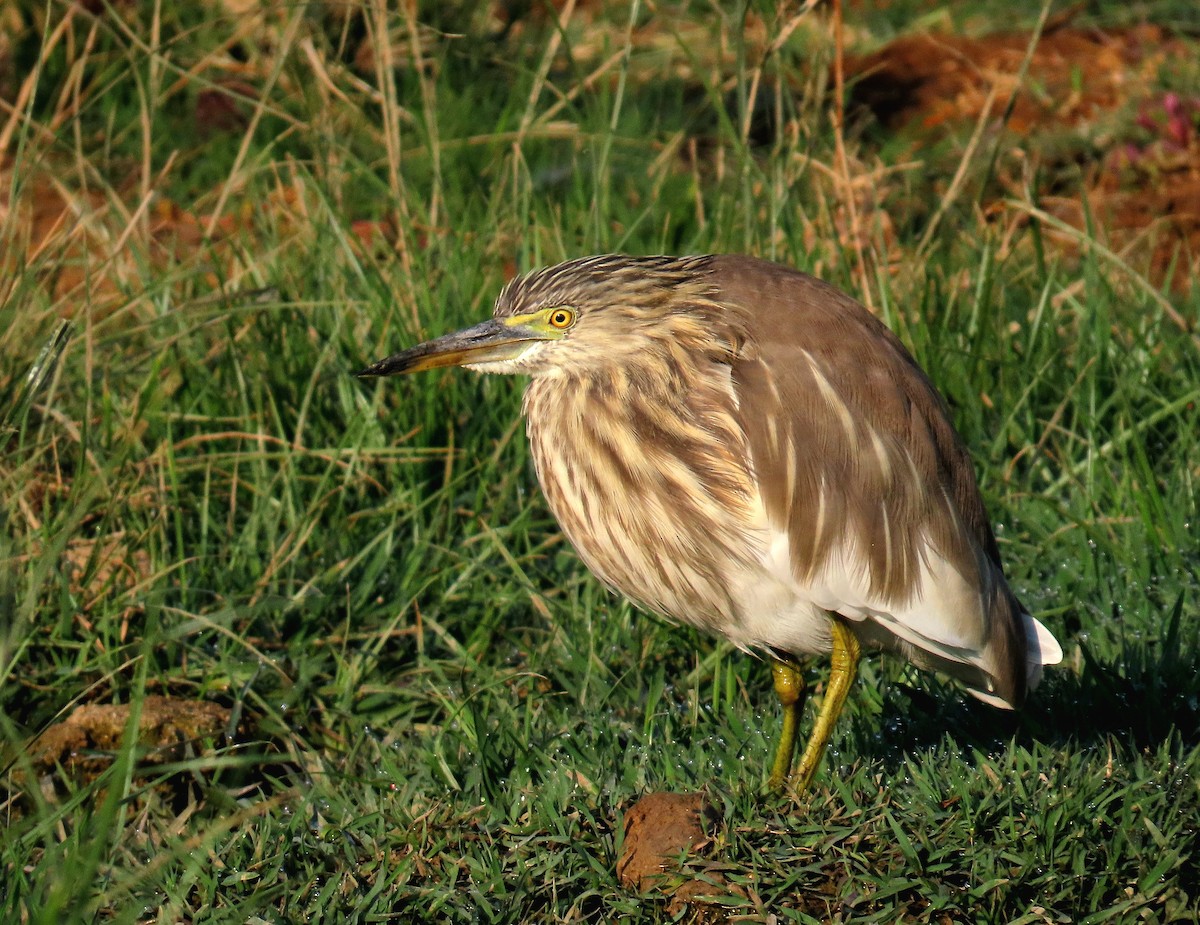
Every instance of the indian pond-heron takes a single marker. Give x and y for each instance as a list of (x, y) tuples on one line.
[(739, 446)]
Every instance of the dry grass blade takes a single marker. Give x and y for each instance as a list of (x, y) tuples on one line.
[(845, 184)]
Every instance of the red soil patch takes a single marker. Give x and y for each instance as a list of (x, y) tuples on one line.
[(1074, 76), (1142, 196)]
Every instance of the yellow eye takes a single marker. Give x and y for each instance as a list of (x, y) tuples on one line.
[(561, 318)]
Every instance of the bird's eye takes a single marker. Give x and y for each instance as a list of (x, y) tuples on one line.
[(561, 318)]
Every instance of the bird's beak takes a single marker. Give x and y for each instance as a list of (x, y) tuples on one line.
[(492, 341)]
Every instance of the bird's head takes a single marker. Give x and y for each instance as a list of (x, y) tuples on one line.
[(575, 316)]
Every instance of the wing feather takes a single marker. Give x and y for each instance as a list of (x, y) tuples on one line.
[(860, 467)]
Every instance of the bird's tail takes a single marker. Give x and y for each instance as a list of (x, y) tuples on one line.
[(1041, 648)]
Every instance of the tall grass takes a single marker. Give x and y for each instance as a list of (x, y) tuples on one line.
[(435, 713)]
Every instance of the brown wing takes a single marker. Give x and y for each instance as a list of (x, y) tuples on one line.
[(853, 449)]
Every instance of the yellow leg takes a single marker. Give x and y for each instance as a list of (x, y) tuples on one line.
[(790, 689), (846, 652)]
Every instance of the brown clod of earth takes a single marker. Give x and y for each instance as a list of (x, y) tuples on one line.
[(660, 829), (86, 739)]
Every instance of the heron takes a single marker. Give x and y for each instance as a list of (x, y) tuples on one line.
[(739, 446)]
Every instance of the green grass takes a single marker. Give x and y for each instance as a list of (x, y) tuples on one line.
[(438, 714)]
